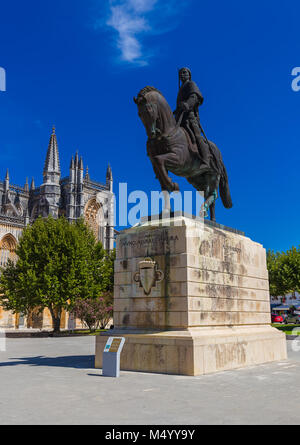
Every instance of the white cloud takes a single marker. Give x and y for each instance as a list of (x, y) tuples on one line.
[(128, 24), (142, 5), (132, 19)]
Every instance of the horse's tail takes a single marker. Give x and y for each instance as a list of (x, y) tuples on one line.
[(224, 190), (221, 169)]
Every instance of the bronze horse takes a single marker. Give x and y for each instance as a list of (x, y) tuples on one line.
[(170, 148)]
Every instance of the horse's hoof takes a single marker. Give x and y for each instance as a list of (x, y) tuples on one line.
[(203, 214), (175, 187)]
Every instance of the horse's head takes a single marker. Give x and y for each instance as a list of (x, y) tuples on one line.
[(147, 104)]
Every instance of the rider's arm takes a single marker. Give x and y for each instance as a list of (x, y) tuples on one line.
[(193, 101)]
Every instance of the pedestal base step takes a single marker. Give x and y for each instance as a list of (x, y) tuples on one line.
[(197, 351)]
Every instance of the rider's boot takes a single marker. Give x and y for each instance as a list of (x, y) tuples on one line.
[(202, 146), (204, 153)]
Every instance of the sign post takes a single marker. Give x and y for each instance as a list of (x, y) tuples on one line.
[(111, 356)]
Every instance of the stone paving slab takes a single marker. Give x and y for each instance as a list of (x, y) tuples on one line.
[(52, 381)]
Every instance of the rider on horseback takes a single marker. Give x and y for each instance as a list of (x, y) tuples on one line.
[(188, 101)]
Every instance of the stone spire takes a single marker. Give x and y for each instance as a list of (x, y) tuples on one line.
[(72, 171), (79, 164), (6, 195), (50, 189), (32, 186), (109, 229), (109, 179), (109, 176), (87, 175), (26, 186), (80, 193), (6, 182), (52, 164), (75, 205), (76, 159)]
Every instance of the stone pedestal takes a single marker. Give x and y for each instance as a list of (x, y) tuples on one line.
[(191, 298)]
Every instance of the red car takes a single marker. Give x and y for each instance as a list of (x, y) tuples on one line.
[(277, 318)]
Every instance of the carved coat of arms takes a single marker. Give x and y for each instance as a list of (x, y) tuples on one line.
[(148, 275)]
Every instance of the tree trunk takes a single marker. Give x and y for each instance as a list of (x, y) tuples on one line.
[(56, 317), (56, 325)]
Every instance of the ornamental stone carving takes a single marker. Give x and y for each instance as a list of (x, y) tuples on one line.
[(148, 275)]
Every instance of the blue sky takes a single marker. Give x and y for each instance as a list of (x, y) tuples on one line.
[(77, 64)]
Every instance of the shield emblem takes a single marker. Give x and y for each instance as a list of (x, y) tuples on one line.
[(147, 279), (148, 275)]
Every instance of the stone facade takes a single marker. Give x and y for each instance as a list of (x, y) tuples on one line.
[(209, 306), (73, 196)]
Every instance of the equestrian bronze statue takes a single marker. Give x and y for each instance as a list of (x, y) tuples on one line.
[(175, 143)]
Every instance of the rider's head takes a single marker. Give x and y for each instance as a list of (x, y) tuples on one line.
[(185, 74)]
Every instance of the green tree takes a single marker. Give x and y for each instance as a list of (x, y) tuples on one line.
[(58, 264), (290, 270), (107, 271), (284, 271), (273, 264)]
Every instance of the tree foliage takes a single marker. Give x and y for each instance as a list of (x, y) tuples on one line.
[(95, 313), (284, 271), (58, 264)]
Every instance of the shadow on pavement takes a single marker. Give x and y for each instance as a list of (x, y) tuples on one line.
[(69, 361), (102, 376)]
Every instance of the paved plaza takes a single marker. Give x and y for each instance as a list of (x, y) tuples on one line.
[(53, 381)]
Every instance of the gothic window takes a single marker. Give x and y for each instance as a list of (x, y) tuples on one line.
[(8, 247), (92, 215)]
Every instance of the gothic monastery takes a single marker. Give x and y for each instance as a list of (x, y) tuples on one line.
[(73, 196)]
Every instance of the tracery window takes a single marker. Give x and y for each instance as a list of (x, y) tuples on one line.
[(92, 216), (8, 247)]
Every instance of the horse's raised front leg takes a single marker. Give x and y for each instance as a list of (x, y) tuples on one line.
[(160, 163), (158, 174)]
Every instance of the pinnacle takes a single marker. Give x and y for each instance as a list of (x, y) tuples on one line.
[(52, 164)]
